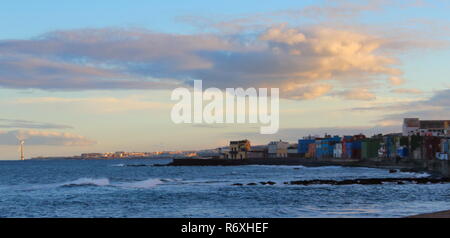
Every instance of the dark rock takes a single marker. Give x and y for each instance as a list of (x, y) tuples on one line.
[(344, 182), (371, 181), (237, 184), (410, 170), (393, 171), (137, 165), (270, 183)]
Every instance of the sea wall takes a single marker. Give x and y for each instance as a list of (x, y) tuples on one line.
[(440, 167), (434, 167)]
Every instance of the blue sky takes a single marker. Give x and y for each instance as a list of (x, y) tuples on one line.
[(96, 76), (24, 19)]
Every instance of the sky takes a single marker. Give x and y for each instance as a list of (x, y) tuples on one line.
[(96, 76)]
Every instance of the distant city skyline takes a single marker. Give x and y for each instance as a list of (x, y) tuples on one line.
[(85, 77)]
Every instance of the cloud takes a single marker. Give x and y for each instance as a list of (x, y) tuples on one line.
[(210, 126), (283, 35), (396, 81), (8, 123), (329, 11), (357, 94), (281, 56), (33, 137), (293, 134), (298, 91), (330, 45), (436, 107), (99, 104), (407, 91), (20, 71)]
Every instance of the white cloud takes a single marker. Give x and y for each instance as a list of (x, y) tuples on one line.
[(281, 56), (34, 137)]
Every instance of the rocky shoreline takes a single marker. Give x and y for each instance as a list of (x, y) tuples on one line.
[(368, 181)]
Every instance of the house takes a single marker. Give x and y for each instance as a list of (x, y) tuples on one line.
[(415, 126), (257, 152), (239, 149), (292, 150), (311, 151), (224, 152), (370, 148), (325, 146), (337, 150), (303, 145), (278, 149)]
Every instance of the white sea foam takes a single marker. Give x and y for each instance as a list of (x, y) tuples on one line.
[(149, 183), (277, 166), (417, 175), (88, 181), (99, 182)]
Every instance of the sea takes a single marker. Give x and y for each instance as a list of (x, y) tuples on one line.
[(137, 188)]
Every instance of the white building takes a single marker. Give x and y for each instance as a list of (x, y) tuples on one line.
[(337, 150), (224, 152), (278, 149)]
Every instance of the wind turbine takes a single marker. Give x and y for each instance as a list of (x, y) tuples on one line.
[(22, 156)]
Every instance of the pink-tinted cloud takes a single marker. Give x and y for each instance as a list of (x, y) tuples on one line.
[(407, 91), (357, 94), (304, 62)]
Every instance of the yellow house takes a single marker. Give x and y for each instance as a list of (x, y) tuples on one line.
[(239, 149)]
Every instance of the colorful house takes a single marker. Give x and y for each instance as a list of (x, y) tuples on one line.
[(303, 146)]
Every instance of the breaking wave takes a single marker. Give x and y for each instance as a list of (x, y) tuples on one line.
[(99, 182), (417, 175), (87, 182), (149, 183), (277, 166), (131, 165)]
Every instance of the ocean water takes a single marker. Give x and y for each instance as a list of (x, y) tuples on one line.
[(113, 188)]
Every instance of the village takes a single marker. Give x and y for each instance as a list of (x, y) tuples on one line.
[(419, 140)]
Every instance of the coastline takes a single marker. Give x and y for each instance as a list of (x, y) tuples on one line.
[(441, 214), (434, 168)]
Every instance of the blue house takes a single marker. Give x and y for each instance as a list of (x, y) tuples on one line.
[(325, 146), (303, 145)]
